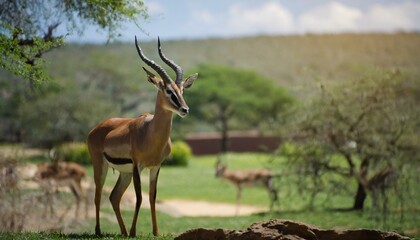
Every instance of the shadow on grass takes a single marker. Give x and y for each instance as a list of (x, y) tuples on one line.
[(349, 209), (305, 210), (115, 236), (92, 236), (279, 213)]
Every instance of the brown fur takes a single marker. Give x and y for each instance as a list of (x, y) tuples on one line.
[(246, 178), (63, 174)]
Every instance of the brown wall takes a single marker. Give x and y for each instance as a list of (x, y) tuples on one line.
[(210, 143)]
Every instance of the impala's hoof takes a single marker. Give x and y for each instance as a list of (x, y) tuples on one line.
[(98, 231)]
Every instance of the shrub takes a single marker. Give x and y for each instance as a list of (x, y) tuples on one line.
[(180, 154), (74, 152)]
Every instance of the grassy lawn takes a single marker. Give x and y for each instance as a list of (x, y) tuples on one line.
[(198, 181)]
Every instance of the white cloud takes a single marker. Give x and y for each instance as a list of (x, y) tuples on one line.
[(233, 18), (404, 16), (336, 17), (269, 18), (155, 8), (203, 17), (332, 17), (326, 17)]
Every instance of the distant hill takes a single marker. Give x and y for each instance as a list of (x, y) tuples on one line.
[(298, 63)]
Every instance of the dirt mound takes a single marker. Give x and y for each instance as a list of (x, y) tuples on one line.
[(287, 230)]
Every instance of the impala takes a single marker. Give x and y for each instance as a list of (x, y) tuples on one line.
[(60, 173), (245, 178), (130, 145)]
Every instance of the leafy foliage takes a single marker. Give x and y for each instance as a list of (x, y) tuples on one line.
[(87, 90), (27, 28), (74, 152), (226, 96), (370, 122), (61, 117), (312, 171), (180, 155)]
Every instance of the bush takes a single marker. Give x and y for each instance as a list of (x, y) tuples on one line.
[(180, 154), (74, 152)]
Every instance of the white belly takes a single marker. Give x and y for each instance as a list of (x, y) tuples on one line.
[(128, 168)]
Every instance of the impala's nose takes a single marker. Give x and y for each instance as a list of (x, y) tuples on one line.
[(184, 111)]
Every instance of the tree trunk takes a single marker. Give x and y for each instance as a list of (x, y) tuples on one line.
[(359, 199), (224, 142), (223, 118)]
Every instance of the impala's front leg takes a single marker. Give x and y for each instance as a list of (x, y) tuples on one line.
[(137, 187), (238, 198), (154, 173)]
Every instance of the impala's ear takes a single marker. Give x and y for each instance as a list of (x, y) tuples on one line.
[(154, 80), (190, 80)]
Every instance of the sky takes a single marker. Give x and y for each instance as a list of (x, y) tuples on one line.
[(198, 19)]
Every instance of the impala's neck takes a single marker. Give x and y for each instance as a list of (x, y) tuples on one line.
[(162, 120)]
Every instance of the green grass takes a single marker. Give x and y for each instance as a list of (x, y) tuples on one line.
[(198, 181)]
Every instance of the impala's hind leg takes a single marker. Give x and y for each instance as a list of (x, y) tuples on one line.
[(100, 170), (238, 199), (77, 195), (154, 174), (123, 181)]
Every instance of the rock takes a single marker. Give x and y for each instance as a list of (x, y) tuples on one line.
[(287, 230)]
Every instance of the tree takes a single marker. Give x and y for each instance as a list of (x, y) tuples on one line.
[(28, 28), (229, 98), (371, 123), (63, 115), (84, 92)]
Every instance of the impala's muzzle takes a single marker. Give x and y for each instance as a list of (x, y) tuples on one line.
[(183, 111)]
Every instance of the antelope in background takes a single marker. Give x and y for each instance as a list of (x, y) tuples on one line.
[(377, 186), (247, 178), (58, 173), (130, 145)]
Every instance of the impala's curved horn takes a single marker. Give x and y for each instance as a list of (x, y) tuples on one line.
[(170, 63), (162, 73)]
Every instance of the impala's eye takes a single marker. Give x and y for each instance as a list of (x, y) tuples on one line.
[(175, 100), (168, 92)]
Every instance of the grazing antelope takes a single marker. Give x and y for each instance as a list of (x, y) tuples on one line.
[(130, 145), (244, 178), (377, 185), (51, 175)]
